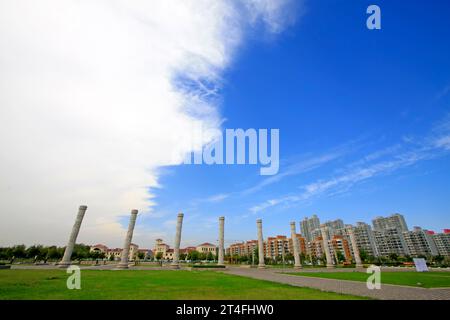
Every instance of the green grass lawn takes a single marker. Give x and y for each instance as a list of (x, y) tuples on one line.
[(415, 279), (135, 284)]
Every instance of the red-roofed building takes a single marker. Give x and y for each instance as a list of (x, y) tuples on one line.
[(207, 248)]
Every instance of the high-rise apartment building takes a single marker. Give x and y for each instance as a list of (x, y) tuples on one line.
[(420, 243), (394, 221), (308, 225), (390, 241), (335, 225), (442, 242), (365, 239)]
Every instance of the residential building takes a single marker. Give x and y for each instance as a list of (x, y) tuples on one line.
[(420, 243), (207, 248), (308, 225), (442, 242), (365, 239), (276, 246), (394, 221), (390, 241)]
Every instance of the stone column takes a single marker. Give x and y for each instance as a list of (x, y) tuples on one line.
[(176, 251), (73, 237), (326, 248), (355, 249), (221, 241), (296, 246), (261, 263), (126, 246)]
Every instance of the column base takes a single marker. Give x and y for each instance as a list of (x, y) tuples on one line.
[(63, 265), (262, 266), (331, 266), (298, 267), (359, 266), (122, 266)]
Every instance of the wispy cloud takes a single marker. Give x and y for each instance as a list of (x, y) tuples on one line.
[(399, 156), (218, 197)]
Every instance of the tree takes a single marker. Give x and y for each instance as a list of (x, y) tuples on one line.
[(19, 251), (194, 255), (54, 253), (393, 257), (80, 251), (340, 256), (210, 256), (141, 255), (438, 259), (202, 256), (159, 256), (363, 255)]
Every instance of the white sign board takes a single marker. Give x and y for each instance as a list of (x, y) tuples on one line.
[(421, 264)]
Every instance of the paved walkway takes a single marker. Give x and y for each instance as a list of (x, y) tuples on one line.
[(387, 292)]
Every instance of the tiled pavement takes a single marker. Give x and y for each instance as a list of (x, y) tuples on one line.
[(387, 292)]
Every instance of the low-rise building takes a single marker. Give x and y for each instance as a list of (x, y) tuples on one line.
[(207, 248)]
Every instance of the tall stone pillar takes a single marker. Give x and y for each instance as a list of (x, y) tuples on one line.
[(221, 241), (126, 246), (176, 251), (296, 246), (355, 249), (326, 247), (261, 263), (73, 237)]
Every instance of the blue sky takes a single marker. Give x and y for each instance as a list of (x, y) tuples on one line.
[(97, 97), (363, 118)]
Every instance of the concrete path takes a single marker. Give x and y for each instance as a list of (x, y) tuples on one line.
[(387, 291)]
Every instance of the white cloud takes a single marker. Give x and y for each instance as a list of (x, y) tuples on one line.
[(395, 157), (93, 98)]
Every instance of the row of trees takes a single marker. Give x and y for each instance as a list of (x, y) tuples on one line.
[(192, 256), (395, 259), (40, 252), (392, 259)]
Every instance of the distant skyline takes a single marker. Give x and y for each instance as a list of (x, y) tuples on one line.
[(91, 110)]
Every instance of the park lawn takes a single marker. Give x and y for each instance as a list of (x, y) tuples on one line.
[(406, 278), (150, 285)]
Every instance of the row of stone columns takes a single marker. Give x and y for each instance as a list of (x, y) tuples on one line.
[(66, 260), (295, 245), (176, 263)]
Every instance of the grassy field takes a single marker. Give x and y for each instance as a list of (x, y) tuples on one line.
[(158, 285), (415, 279)]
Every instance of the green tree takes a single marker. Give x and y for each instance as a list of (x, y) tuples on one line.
[(159, 256), (54, 253), (210, 256), (80, 251), (363, 255), (393, 257), (19, 251), (194, 255), (141, 255)]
